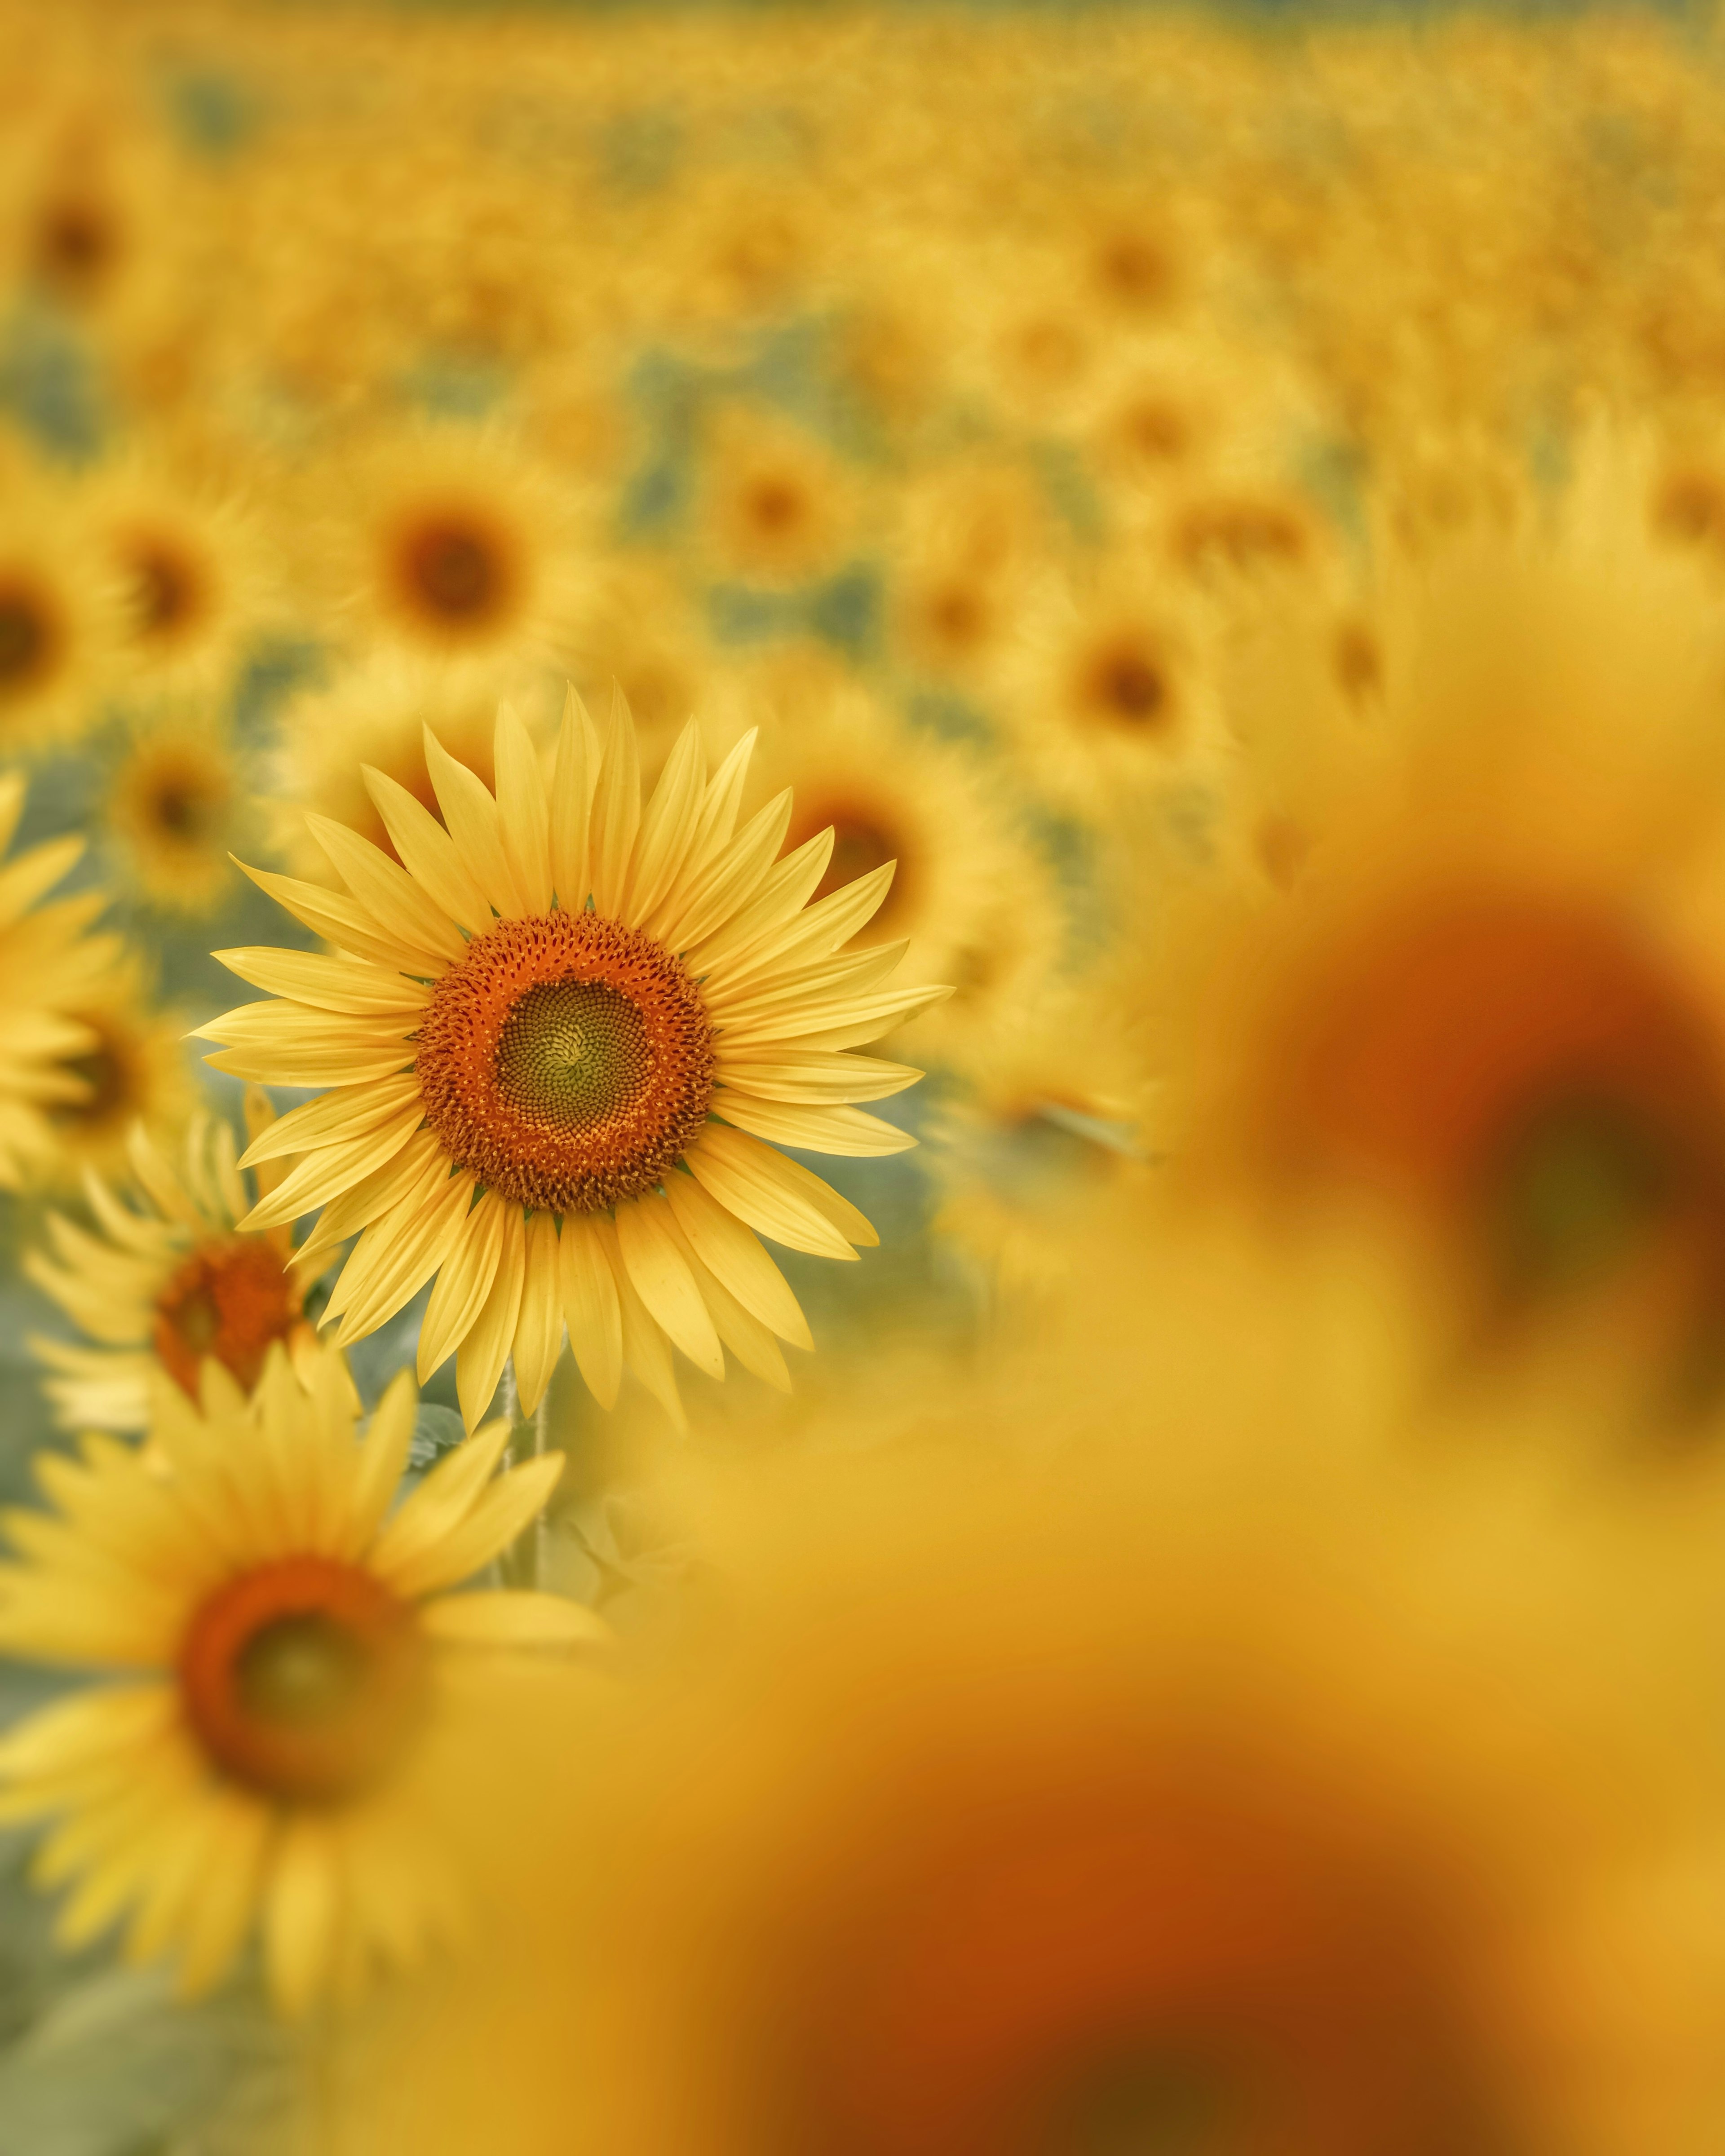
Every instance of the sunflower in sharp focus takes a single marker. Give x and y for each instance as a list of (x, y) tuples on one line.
[(290, 1676), (458, 550), (554, 1042), (164, 1287), (173, 812), (49, 967)]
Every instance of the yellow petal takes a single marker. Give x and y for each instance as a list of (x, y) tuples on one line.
[(429, 853), (402, 907), (471, 815), (835, 1130), (646, 1235), (616, 810), (479, 1359), (523, 814), (539, 1328), (513, 1618), (588, 1288), (464, 1284), (301, 1912), (732, 1254), (572, 788)]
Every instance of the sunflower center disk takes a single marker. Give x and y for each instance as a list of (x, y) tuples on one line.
[(566, 1061), (304, 1678)]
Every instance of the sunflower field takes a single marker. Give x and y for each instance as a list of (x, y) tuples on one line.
[(862, 1080)]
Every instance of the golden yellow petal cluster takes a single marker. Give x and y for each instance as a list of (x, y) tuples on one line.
[(568, 1031), (284, 1672)]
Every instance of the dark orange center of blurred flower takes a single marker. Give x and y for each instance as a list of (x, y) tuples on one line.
[(1107, 1973), (303, 1679), (77, 242), (1532, 1074), (1123, 683), (455, 571), (166, 589), (230, 1300), (29, 634)]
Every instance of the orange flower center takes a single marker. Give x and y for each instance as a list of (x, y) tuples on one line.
[(303, 1679), (566, 1061), (29, 634), (1533, 1071), (1123, 683), (454, 570), (166, 589), (1168, 1977), (231, 1300)]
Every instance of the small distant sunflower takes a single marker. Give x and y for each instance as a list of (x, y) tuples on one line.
[(173, 811), (1111, 693), (971, 536), (162, 1288), (775, 504), (193, 590), (458, 550), (556, 1041), (131, 1069), (292, 1675), (49, 967)]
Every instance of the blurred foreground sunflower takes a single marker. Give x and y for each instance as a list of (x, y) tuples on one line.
[(162, 1288), (554, 1042), (1139, 1752), (287, 1675)]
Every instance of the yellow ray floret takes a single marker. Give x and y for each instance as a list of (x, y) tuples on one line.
[(565, 1032)]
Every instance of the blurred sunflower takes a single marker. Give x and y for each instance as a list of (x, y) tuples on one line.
[(1487, 1001), (286, 1674), (573, 1010), (191, 572), (457, 549), (1112, 691), (174, 810), (48, 961), (164, 1287), (775, 505), (130, 1069), (1141, 1764)]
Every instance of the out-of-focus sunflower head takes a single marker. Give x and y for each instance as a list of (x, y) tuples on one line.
[(776, 505), (62, 613), (134, 1069), (454, 549), (191, 566), (1116, 1763), (1488, 999), (176, 808)]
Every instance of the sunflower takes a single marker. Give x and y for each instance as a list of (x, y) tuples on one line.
[(47, 962), (775, 505), (293, 1673), (1484, 1002), (131, 1068), (173, 810), (1135, 1752), (163, 1287), (190, 570), (555, 1043), (1111, 693), (457, 549)]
